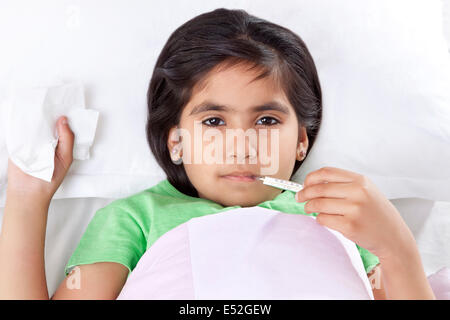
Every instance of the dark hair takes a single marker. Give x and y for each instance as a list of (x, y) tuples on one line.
[(229, 37)]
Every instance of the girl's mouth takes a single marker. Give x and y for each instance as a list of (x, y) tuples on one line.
[(241, 177)]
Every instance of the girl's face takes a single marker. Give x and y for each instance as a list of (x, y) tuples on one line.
[(228, 104)]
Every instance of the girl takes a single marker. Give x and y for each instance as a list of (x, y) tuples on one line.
[(221, 70)]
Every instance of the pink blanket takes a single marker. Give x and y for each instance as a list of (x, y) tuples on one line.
[(250, 253)]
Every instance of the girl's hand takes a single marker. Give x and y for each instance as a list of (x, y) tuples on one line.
[(351, 204), (28, 186)]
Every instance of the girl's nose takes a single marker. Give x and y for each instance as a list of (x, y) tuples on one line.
[(245, 147)]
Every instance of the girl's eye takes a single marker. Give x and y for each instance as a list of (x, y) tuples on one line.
[(265, 121), (268, 121), (212, 122)]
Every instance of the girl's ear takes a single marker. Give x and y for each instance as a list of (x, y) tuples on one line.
[(173, 138), (175, 146)]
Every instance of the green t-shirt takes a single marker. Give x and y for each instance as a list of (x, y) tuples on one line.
[(124, 229)]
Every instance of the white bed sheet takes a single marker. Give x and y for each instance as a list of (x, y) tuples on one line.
[(429, 222)]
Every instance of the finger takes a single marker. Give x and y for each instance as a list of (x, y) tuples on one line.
[(65, 140), (329, 206), (325, 190), (332, 221), (330, 174)]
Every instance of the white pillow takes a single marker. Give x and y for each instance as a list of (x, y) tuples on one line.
[(383, 67), (385, 74), (446, 17)]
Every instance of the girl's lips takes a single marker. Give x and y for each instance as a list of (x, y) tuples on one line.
[(240, 178)]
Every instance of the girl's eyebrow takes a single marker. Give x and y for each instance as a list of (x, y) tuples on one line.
[(211, 106)]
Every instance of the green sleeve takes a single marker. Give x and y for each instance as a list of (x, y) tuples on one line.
[(113, 235), (369, 259)]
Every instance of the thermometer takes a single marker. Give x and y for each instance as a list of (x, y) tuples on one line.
[(281, 184)]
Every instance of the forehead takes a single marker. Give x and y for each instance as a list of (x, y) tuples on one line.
[(236, 86)]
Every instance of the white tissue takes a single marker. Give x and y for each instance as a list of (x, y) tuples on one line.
[(31, 134)]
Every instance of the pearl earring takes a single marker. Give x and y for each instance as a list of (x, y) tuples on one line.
[(302, 154), (176, 159)]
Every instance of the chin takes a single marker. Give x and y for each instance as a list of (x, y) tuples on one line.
[(242, 200)]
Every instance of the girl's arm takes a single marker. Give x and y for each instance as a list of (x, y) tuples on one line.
[(403, 276), (404, 280), (96, 281), (22, 238), (22, 273)]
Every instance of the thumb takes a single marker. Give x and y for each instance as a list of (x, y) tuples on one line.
[(65, 140)]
